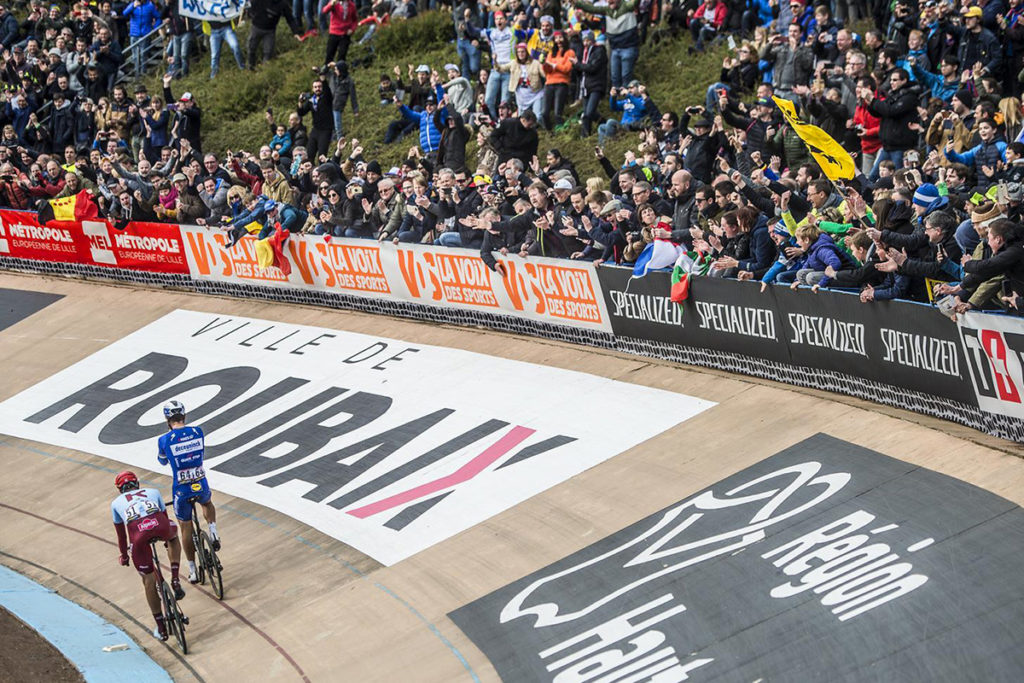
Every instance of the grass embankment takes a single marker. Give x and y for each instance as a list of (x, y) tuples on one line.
[(234, 105)]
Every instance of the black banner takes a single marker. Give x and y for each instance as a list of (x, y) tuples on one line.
[(826, 561), (901, 344)]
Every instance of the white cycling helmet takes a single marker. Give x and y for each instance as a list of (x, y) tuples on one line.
[(174, 409)]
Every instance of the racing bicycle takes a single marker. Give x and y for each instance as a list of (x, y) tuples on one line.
[(207, 563), (174, 618)]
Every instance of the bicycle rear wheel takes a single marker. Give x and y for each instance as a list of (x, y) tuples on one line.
[(175, 619), (212, 562)]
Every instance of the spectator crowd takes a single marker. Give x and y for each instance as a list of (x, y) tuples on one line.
[(925, 96)]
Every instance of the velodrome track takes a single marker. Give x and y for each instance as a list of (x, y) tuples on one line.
[(301, 605)]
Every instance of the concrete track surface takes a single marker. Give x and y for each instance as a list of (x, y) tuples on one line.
[(303, 606)]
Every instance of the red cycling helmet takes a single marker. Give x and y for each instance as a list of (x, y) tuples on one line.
[(126, 479)]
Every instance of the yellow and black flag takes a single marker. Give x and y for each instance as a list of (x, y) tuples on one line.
[(835, 162)]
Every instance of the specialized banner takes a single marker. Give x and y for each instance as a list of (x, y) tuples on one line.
[(211, 10), (551, 290), (897, 343), (155, 247), (826, 561), (388, 446)]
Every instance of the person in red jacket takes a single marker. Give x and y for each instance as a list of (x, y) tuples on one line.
[(706, 21), (343, 25), (866, 125)]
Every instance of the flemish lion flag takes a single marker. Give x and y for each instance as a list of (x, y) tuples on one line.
[(835, 162), (78, 207)]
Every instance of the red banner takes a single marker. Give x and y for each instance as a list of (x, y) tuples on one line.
[(141, 246)]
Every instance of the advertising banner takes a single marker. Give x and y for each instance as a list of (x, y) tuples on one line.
[(211, 10), (155, 247), (994, 348), (898, 343), (826, 561), (388, 446), (551, 290)]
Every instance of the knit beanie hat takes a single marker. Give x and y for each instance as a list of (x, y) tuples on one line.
[(926, 194), (986, 213), (373, 167), (965, 96)]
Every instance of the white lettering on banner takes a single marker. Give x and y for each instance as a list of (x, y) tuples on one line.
[(654, 309), (600, 657), (920, 351), (33, 232), (744, 320), (125, 241), (550, 290), (386, 446), (827, 333), (853, 576), (994, 353), (855, 579)]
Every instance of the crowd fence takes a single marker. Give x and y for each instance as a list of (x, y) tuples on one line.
[(897, 353)]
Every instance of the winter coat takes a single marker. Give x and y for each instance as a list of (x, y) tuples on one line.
[(896, 112), (141, 19), (343, 17), (823, 253)]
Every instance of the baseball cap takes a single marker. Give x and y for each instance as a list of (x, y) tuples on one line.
[(269, 205), (179, 176), (186, 97), (973, 11), (763, 102), (449, 67), (633, 84), (701, 123), (563, 184), (423, 69)]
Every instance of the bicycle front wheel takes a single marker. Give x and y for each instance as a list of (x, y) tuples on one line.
[(213, 567)]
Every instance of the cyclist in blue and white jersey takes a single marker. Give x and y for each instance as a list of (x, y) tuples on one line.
[(183, 448)]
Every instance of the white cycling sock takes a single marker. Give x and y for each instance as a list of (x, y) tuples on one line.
[(213, 529), (192, 566)]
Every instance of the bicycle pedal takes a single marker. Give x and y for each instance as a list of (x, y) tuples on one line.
[(184, 619)]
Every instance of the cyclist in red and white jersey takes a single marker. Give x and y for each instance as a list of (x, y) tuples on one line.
[(140, 516)]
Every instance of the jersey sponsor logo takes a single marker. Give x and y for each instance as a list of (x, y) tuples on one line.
[(794, 565), (186, 447), (388, 446), (197, 487), (147, 524)]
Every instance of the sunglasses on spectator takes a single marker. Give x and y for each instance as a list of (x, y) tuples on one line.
[(332, 193)]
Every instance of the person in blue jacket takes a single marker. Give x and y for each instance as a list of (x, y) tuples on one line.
[(143, 17), (266, 212), (986, 155), (633, 107), (430, 135)]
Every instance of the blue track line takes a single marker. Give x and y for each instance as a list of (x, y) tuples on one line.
[(79, 634)]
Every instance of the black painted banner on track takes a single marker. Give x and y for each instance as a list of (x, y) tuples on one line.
[(828, 331), (18, 304), (826, 561)]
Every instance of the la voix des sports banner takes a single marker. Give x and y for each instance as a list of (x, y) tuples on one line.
[(155, 247), (388, 446), (552, 290)]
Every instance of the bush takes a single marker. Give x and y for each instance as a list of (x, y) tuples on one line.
[(404, 39)]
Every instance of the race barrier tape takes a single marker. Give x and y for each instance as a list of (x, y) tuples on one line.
[(897, 353)]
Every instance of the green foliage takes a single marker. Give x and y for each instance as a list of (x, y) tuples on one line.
[(406, 39), (234, 105)]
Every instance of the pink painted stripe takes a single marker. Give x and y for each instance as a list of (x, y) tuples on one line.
[(472, 468)]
